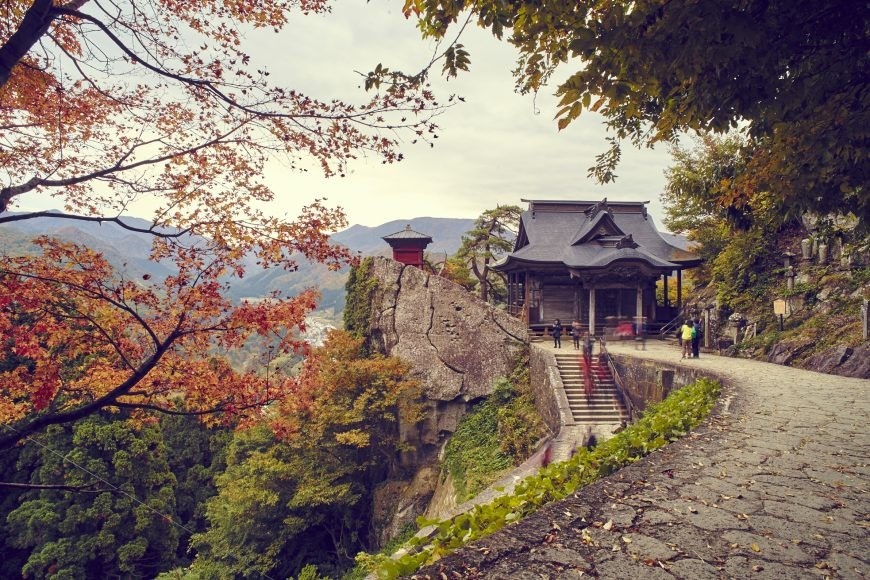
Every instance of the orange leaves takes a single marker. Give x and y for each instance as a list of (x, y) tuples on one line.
[(79, 337), (158, 99), (343, 397)]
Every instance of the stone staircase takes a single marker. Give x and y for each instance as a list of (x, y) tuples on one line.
[(604, 406)]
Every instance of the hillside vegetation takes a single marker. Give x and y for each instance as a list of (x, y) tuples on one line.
[(746, 248)]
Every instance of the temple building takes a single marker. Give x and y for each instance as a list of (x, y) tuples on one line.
[(408, 246), (592, 261)]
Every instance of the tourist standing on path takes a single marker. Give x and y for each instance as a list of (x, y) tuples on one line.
[(696, 338), (576, 331), (686, 338), (556, 331)]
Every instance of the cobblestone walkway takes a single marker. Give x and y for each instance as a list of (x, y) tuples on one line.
[(774, 485)]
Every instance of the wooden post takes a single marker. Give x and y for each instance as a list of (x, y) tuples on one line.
[(592, 311), (679, 290), (707, 339), (638, 311), (512, 306), (526, 303), (865, 318), (667, 296)]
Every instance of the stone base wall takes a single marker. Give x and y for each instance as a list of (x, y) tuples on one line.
[(648, 382), (550, 399)]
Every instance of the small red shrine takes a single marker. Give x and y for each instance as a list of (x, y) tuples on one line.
[(408, 246)]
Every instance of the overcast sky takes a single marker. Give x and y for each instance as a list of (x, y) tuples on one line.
[(495, 148)]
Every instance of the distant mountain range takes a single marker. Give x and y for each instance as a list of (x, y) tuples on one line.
[(128, 252)]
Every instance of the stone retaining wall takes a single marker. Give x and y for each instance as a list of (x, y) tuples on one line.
[(646, 381), (550, 398)]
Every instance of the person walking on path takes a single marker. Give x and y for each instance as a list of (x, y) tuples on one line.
[(575, 333), (686, 338), (696, 338), (556, 331)]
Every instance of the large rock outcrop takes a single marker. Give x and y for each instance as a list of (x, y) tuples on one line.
[(458, 345)]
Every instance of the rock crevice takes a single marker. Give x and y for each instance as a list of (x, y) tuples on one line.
[(457, 344)]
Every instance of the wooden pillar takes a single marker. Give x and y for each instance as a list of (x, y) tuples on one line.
[(512, 307), (638, 311), (679, 290), (526, 302), (707, 339), (592, 311), (667, 296)]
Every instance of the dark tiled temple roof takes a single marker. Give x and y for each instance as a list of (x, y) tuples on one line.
[(582, 235), (407, 234)]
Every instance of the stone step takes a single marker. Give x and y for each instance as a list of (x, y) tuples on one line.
[(606, 397), (576, 366), (582, 400), (600, 406), (609, 410), (595, 419), (596, 394), (595, 411), (596, 385)]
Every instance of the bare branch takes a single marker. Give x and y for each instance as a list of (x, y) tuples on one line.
[(98, 219)]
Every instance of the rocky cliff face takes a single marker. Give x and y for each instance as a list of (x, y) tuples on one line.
[(457, 344)]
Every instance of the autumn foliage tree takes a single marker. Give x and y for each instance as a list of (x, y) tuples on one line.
[(108, 104), (790, 76)]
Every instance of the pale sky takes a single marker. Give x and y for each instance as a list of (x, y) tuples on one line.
[(495, 148)]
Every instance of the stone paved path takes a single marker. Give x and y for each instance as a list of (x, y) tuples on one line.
[(774, 485)]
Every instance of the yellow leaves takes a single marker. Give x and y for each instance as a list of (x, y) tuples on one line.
[(353, 438), (342, 397)]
